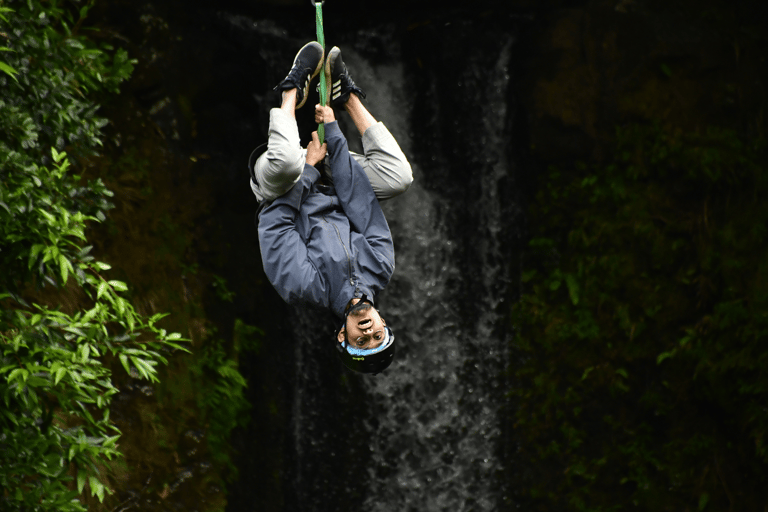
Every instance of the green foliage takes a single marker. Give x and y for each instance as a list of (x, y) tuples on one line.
[(643, 322), (221, 399), (51, 75), (61, 316)]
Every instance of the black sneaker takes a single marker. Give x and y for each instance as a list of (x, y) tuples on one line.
[(306, 66), (338, 81)]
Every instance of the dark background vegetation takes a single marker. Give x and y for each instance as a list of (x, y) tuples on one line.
[(639, 359), (642, 319)]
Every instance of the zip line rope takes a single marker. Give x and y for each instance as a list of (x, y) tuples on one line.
[(321, 40)]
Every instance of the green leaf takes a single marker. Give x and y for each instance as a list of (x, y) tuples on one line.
[(33, 253), (126, 365), (665, 355), (50, 218), (9, 70), (178, 347), (6, 368), (140, 366), (91, 313), (156, 317), (64, 266), (101, 290), (118, 285), (121, 304), (97, 488), (573, 288), (110, 441), (5, 9), (18, 372), (59, 375), (77, 330), (58, 157), (85, 352), (81, 476)]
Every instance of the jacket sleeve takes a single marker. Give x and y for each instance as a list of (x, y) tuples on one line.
[(358, 199), (284, 251)]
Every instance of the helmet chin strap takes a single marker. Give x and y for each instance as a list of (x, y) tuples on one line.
[(364, 300)]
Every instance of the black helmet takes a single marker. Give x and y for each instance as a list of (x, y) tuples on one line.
[(367, 360), (255, 154), (372, 360)]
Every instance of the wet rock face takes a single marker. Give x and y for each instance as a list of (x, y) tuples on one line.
[(428, 433)]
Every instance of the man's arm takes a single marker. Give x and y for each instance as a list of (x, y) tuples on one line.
[(283, 250), (355, 192)]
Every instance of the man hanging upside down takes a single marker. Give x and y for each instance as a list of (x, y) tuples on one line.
[(323, 236)]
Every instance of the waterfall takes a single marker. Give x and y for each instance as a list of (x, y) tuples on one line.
[(438, 425)]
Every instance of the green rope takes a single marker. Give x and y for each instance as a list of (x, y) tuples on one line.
[(323, 85)]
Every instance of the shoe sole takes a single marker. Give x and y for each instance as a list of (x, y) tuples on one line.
[(331, 88), (316, 71)]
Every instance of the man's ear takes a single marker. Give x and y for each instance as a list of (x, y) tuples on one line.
[(342, 334)]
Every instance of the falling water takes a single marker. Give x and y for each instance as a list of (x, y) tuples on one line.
[(438, 430)]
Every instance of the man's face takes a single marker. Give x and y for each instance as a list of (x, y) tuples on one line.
[(364, 328)]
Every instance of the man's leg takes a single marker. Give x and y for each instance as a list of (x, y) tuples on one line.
[(288, 104), (383, 161), (281, 165), (359, 114)]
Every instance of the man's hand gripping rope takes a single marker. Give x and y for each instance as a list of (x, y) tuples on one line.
[(315, 150)]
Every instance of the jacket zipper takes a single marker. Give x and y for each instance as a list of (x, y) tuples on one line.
[(346, 251)]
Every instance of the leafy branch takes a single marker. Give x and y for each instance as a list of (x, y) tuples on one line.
[(61, 316)]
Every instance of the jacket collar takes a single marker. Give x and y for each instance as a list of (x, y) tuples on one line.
[(349, 292)]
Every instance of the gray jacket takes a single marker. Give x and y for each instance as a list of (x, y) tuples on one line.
[(324, 245)]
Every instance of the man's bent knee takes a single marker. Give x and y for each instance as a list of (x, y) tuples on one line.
[(277, 172), (285, 164), (391, 181), (403, 180)]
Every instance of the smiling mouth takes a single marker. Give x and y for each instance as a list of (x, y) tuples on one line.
[(365, 323)]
